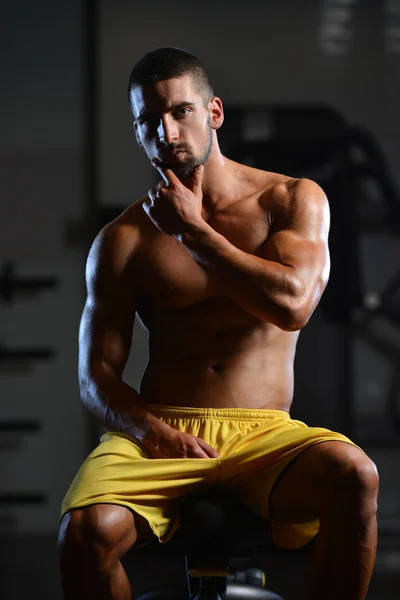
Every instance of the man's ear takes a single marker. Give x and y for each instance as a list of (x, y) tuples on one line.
[(216, 112), (137, 134)]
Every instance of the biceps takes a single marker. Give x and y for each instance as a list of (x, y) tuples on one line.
[(308, 260), (105, 336)]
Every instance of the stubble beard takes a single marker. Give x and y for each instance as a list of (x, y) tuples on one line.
[(184, 169)]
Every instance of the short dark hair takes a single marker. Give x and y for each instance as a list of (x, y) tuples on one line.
[(167, 63)]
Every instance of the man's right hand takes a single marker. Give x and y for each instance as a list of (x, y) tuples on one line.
[(166, 442)]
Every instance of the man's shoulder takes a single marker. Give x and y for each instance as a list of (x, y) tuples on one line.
[(133, 217), (118, 240), (267, 184), (128, 225), (285, 193)]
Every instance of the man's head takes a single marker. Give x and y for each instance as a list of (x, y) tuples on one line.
[(174, 109), (171, 63)]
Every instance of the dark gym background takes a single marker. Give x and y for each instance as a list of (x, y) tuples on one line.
[(310, 87)]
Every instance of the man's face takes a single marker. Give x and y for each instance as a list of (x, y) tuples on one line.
[(173, 124)]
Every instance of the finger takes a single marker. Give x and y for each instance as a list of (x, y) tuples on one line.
[(147, 205), (168, 176), (152, 194), (187, 453), (162, 172), (155, 452), (196, 179), (211, 452), (192, 449), (199, 453)]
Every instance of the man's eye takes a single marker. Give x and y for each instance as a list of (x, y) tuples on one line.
[(182, 112)]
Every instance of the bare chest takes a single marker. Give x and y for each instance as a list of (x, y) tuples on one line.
[(178, 292)]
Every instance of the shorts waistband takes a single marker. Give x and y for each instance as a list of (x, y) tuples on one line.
[(190, 412)]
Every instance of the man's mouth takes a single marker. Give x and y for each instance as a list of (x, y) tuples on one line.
[(172, 155)]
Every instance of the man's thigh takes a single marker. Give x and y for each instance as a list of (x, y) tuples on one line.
[(306, 486), (295, 492)]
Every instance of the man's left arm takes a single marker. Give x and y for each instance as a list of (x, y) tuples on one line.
[(285, 285)]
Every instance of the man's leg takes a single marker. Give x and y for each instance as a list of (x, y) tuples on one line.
[(337, 483), (91, 542)]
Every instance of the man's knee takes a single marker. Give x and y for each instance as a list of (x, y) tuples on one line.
[(98, 534), (351, 478)]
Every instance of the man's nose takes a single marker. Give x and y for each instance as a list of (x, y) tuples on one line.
[(167, 131)]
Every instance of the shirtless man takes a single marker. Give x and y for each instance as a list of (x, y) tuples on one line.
[(224, 264)]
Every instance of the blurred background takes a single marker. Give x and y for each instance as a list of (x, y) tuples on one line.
[(310, 88)]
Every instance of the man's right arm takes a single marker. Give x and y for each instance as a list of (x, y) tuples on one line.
[(106, 331), (105, 337)]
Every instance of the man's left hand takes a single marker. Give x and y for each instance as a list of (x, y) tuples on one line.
[(173, 206)]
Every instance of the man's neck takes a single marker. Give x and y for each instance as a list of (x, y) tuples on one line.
[(218, 183)]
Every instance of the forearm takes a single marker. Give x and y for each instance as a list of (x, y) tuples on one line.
[(266, 289), (115, 404)]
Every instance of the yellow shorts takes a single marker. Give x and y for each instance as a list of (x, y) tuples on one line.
[(254, 445)]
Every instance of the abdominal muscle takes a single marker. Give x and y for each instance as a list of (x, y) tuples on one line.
[(241, 368)]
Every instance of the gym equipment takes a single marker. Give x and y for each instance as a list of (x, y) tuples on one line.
[(10, 285), (218, 539), (12, 430)]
